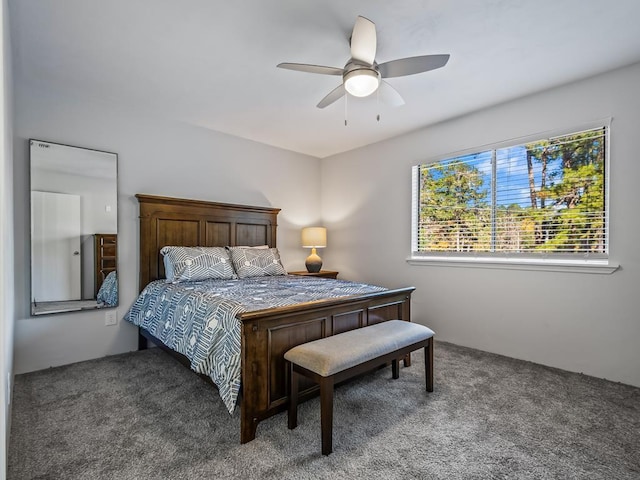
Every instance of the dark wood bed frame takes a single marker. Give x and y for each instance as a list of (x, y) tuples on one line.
[(266, 334)]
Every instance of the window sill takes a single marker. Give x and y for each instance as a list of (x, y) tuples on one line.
[(545, 265)]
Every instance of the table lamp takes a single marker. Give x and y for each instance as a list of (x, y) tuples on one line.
[(314, 237)]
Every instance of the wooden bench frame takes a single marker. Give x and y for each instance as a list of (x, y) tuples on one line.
[(327, 384)]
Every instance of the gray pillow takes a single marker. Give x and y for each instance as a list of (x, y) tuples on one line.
[(183, 264), (256, 262)]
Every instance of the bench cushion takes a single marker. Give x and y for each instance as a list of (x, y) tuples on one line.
[(330, 355)]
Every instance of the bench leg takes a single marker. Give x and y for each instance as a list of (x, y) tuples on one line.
[(293, 398), (428, 364), (395, 368), (326, 414), (407, 360)]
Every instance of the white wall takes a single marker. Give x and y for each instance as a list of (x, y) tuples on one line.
[(155, 157), (6, 239), (579, 322)]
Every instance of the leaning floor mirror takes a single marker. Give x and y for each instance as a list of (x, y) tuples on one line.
[(74, 228)]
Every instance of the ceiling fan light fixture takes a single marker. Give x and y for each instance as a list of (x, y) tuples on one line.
[(361, 82)]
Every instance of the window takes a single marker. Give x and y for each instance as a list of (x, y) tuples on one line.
[(543, 199)]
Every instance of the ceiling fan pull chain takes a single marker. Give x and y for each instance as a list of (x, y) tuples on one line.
[(345, 109), (378, 104)]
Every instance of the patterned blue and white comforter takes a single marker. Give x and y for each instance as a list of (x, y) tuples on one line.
[(108, 292), (198, 319)]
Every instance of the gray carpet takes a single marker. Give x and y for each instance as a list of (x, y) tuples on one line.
[(142, 415)]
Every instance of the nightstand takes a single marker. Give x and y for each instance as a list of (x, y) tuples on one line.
[(321, 273)]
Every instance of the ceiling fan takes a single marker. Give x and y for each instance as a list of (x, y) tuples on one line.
[(362, 75)]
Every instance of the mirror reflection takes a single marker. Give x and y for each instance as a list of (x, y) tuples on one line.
[(74, 228)]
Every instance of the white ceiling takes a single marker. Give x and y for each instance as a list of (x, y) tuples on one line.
[(212, 63)]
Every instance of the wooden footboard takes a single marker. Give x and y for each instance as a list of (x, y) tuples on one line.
[(268, 334)]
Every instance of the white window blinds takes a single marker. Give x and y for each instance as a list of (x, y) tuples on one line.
[(545, 197)]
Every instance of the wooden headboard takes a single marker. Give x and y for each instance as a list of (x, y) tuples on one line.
[(176, 221), (106, 257)]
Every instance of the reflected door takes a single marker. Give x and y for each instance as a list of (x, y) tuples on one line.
[(55, 246)]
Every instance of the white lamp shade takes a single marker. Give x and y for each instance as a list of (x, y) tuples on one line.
[(361, 83), (314, 237)]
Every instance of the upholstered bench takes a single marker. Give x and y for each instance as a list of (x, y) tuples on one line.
[(333, 359)]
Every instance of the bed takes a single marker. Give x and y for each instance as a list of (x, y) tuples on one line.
[(265, 334)]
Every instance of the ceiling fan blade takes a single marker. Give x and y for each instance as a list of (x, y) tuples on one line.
[(412, 65), (390, 95), (333, 95), (304, 67), (364, 41)]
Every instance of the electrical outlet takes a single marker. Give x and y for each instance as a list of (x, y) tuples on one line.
[(110, 317)]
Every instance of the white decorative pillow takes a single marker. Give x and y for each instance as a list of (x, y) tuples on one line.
[(256, 262), (196, 263)]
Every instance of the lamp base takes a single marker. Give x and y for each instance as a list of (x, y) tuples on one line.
[(313, 262)]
